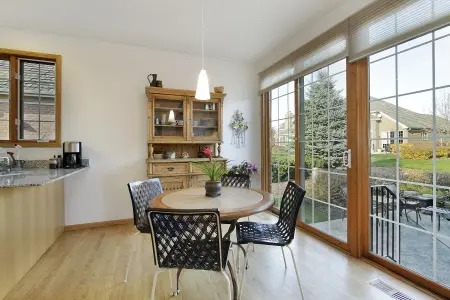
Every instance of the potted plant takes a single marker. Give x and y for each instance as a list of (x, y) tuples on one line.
[(214, 171), (244, 168)]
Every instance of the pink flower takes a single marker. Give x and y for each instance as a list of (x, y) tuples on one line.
[(207, 152)]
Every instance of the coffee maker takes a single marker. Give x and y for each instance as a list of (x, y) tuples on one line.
[(72, 155)]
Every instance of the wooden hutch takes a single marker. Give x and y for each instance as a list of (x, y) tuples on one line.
[(177, 122)]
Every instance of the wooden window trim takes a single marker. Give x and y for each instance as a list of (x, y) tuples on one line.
[(13, 56)]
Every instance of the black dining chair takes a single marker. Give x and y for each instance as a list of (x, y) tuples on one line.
[(279, 234), (238, 181), (188, 239), (141, 193)]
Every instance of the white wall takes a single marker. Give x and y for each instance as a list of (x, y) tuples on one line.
[(104, 106)]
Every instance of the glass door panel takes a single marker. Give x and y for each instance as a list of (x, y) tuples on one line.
[(282, 137), (168, 116), (322, 144), (205, 120), (409, 160)]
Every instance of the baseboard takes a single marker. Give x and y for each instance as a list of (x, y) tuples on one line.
[(98, 224)]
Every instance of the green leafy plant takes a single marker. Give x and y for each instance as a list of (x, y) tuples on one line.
[(213, 169)]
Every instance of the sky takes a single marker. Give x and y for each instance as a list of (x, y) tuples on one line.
[(415, 72)]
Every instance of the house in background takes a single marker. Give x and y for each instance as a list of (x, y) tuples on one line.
[(413, 128)]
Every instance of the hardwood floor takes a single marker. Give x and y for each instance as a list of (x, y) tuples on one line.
[(92, 263)]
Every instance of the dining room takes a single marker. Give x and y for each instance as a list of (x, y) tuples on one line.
[(237, 150)]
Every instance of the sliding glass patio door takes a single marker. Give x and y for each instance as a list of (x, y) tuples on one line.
[(322, 136), (409, 192)]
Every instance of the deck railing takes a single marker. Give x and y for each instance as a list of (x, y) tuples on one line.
[(383, 204)]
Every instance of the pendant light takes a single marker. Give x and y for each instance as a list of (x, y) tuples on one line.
[(202, 92)]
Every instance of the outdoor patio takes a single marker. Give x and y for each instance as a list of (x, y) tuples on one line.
[(416, 247)]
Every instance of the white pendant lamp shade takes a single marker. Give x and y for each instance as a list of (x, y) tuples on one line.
[(202, 92)]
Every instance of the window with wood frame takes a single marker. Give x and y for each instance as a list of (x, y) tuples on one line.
[(30, 99)]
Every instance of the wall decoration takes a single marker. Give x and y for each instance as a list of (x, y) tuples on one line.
[(239, 126)]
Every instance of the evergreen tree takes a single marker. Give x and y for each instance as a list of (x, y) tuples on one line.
[(326, 120)]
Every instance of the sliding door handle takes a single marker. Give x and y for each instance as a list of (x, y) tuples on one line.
[(347, 158)]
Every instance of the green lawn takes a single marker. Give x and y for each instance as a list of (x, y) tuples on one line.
[(389, 160)]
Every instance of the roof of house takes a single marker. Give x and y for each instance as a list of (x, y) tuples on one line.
[(37, 77), (407, 117)]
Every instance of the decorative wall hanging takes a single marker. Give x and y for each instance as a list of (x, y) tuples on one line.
[(239, 126)]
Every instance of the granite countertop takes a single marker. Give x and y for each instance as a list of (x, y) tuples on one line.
[(36, 177)]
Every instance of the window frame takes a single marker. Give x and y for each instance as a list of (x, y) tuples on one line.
[(14, 56)]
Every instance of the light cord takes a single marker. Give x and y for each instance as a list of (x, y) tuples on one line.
[(203, 40)]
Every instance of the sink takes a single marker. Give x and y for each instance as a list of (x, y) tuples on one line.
[(13, 173)]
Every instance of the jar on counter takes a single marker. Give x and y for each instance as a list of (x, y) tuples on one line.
[(53, 163)]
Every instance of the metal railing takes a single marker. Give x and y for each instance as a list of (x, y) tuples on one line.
[(382, 205)]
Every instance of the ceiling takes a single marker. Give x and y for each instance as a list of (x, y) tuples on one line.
[(243, 30)]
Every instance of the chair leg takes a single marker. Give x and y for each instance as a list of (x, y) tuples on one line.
[(284, 258), (296, 272), (241, 285), (233, 261), (171, 280), (155, 279), (253, 244), (246, 251), (230, 294), (177, 288)]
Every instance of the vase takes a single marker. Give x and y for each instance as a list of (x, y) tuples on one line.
[(213, 188)]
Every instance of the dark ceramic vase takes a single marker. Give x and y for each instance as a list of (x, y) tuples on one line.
[(213, 188)]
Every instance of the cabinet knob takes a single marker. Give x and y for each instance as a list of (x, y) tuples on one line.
[(170, 168)]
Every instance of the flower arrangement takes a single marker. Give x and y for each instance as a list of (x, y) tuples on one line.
[(212, 169), (244, 168), (238, 126), (237, 122)]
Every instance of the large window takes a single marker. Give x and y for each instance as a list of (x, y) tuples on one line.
[(322, 144), (29, 99), (282, 138), (410, 183)]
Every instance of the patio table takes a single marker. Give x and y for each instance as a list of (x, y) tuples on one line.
[(424, 201), (439, 213)]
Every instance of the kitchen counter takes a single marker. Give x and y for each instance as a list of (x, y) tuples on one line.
[(36, 177)]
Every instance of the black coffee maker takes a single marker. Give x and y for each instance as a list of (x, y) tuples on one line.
[(72, 155)]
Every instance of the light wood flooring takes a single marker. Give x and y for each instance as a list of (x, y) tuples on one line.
[(92, 263)]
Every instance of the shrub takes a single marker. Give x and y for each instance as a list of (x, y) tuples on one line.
[(442, 152)]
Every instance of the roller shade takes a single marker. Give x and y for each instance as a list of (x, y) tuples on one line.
[(388, 22), (323, 50), (378, 26)]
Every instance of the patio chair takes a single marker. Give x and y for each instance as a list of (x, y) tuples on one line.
[(280, 234), (412, 205), (188, 239)]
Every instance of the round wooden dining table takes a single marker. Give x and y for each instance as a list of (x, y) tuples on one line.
[(233, 204)]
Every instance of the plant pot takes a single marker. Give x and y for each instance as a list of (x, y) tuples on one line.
[(213, 188)]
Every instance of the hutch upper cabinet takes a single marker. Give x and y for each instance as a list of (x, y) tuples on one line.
[(176, 116)]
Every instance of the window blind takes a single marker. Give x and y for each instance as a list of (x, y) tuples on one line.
[(323, 50), (385, 23), (378, 26), (277, 74)]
